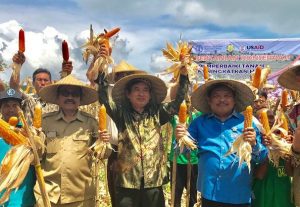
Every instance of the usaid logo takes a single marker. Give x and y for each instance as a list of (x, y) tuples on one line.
[(251, 47)]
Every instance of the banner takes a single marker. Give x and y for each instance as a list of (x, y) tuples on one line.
[(237, 58)]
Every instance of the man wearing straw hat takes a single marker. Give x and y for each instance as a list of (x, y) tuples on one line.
[(69, 134), (221, 181), (290, 79), (136, 108), (119, 71), (41, 77)]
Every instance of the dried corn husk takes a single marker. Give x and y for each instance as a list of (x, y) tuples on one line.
[(186, 141), (181, 56), (92, 47), (279, 147), (13, 169), (242, 148), (100, 149)]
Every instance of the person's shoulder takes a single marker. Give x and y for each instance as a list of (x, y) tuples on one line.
[(88, 115), (49, 114)]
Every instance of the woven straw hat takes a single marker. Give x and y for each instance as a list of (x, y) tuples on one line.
[(243, 95), (49, 93), (288, 78), (123, 66), (158, 87)]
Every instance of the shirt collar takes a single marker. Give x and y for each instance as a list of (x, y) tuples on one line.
[(233, 114), (79, 116)]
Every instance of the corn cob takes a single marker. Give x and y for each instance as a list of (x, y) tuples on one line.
[(243, 148), (256, 77), (205, 72), (13, 121), (27, 88), (65, 50), (248, 113), (9, 135), (21, 41), (265, 121), (284, 98), (37, 117), (182, 112), (284, 125), (102, 118)]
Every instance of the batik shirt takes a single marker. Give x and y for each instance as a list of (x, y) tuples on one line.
[(141, 155)]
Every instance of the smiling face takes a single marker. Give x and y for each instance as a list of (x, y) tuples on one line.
[(68, 98), (139, 95), (9, 108), (221, 101)]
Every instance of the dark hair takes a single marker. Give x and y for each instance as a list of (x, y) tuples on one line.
[(218, 86), (2, 101), (40, 70), (263, 94)]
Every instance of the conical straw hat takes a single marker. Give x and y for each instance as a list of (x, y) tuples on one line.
[(243, 95), (49, 93), (123, 66)]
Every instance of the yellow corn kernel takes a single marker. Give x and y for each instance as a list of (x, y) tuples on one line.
[(27, 89), (13, 121), (248, 117), (205, 72), (102, 117), (265, 121), (284, 124), (9, 135), (256, 77), (37, 117), (182, 112), (284, 98)]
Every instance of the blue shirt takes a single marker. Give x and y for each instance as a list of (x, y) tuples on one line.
[(24, 196), (220, 178)]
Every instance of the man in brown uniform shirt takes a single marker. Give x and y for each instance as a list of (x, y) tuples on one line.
[(69, 133)]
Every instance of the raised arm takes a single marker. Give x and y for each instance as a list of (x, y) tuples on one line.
[(14, 82), (170, 109)]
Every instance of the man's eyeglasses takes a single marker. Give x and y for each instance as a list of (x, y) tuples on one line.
[(70, 93)]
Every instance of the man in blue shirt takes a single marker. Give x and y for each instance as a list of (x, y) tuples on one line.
[(10, 100), (221, 181)]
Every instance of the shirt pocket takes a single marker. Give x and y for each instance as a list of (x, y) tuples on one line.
[(81, 143), (53, 146)]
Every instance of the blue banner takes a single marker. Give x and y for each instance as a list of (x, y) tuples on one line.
[(237, 58)]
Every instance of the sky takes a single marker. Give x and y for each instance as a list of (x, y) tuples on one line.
[(146, 27)]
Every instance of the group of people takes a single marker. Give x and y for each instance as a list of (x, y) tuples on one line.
[(134, 101)]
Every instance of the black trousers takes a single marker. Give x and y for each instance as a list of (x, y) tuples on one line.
[(144, 197), (181, 181), (111, 176), (209, 203)]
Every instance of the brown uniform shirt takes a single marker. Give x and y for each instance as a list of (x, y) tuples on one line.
[(66, 164)]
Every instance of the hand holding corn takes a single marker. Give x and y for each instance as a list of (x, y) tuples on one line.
[(250, 136)]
